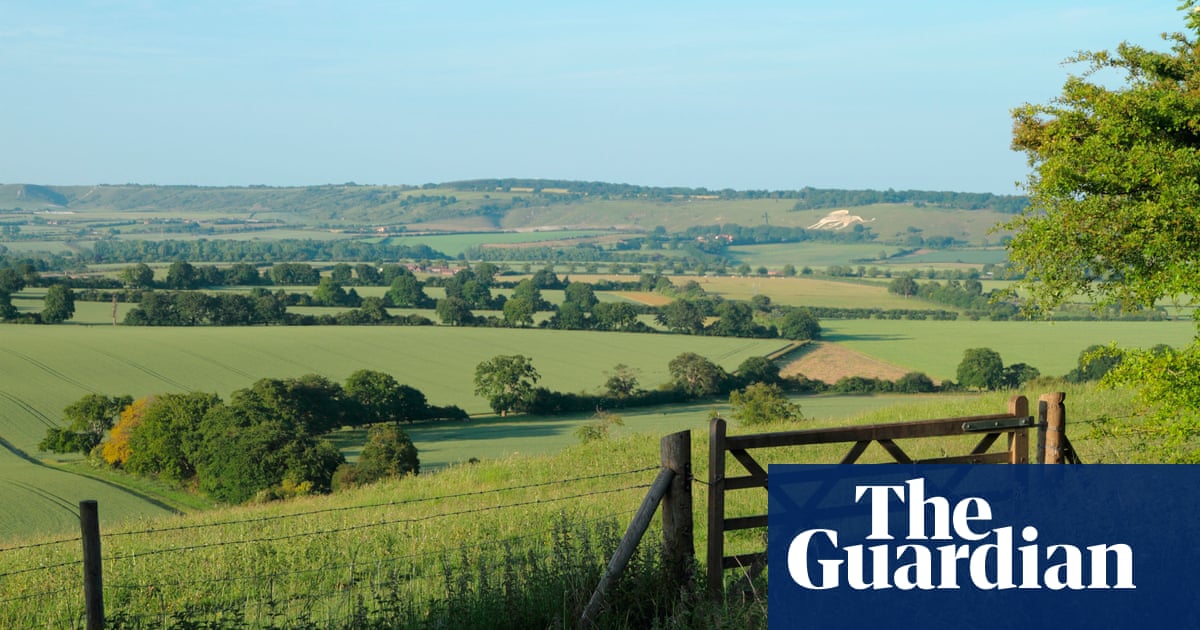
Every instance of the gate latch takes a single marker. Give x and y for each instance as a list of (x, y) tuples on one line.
[(1003, 424)]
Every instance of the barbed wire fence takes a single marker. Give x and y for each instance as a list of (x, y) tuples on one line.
[(493, 543)]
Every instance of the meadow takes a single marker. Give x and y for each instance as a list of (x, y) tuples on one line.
[(407, 548), (48, 367), (936, 347)]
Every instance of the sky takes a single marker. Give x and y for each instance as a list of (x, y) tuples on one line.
[(748, 95)]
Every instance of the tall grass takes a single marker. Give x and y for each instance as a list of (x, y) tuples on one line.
[(518, 542)]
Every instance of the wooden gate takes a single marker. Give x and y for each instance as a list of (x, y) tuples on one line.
[(1052, 447)]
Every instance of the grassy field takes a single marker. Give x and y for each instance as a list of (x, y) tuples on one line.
[(936, 348), (802, 291), (48, 367), (455, 244), (428, 538)]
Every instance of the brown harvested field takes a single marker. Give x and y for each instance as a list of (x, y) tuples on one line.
[(828, 362)]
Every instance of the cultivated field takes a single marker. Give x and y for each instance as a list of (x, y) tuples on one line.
[(936, 347), (428, 538), (48, 367)]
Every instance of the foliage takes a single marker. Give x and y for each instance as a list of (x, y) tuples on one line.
[(87, 419), (116, 449), (454, 311), (799, 324), (506, 381), (1114, 192), (244, 451), (59, 304), (599, 427), (380, 398), (1115, 203), (622, 381), (696, 375), (1095, 362), (388, 452), (163, 440), (914, 383), (981, 368), (758, 369), (760, 403)]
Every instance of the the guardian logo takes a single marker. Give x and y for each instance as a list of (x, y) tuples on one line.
[(940, 545)]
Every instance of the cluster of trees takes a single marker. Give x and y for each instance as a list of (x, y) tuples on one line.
[(265, 441), (285, 250), (982, 368), (58, 306), (820, 198), (509, 383), (967, 295)]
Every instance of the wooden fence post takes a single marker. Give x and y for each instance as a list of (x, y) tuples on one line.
[(1053, 424), (716, 508), (629, 542), (1018, 441), (679, 547), (93, 583)]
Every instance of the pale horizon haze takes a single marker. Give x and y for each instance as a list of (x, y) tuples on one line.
[(749, 95)]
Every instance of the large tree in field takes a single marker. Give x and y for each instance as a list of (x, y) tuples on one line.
[(1115, 205), (506, 381), (59, 304)]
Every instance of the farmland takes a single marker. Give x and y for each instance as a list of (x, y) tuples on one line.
[(318, 556)]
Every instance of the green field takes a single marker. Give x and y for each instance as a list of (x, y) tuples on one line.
[(455, 244), (48, 367), (936, 348), (323, 553)]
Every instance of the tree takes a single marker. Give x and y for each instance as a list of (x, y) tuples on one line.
[(914, 383), (581, 294), (1094, 363), (526, 289), (407, 291), (681, 316), (454, 311), (981, 368), (758, 369), (7, 310), (380, 398), (182, 276), (389, 452), (86, 421), (342, 273), (622, 381), (1114, 204), (762, 402), (139, 276), (506, 381), (800, 324), (696, 376), (518, 311), (330, 293), (903, 285), (166, 434), (615, 316), (58, 305)]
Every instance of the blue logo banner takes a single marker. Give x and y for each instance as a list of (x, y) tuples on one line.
[(944, 546)]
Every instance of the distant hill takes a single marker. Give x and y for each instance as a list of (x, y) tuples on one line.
[(519, 204), (30, 196)]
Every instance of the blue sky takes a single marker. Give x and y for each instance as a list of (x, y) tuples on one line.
[(747, 95)]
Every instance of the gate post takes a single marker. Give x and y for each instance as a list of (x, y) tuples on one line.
[(716, 508), (93, 583), (1052, 425), (679, 547), (1018, 441)]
